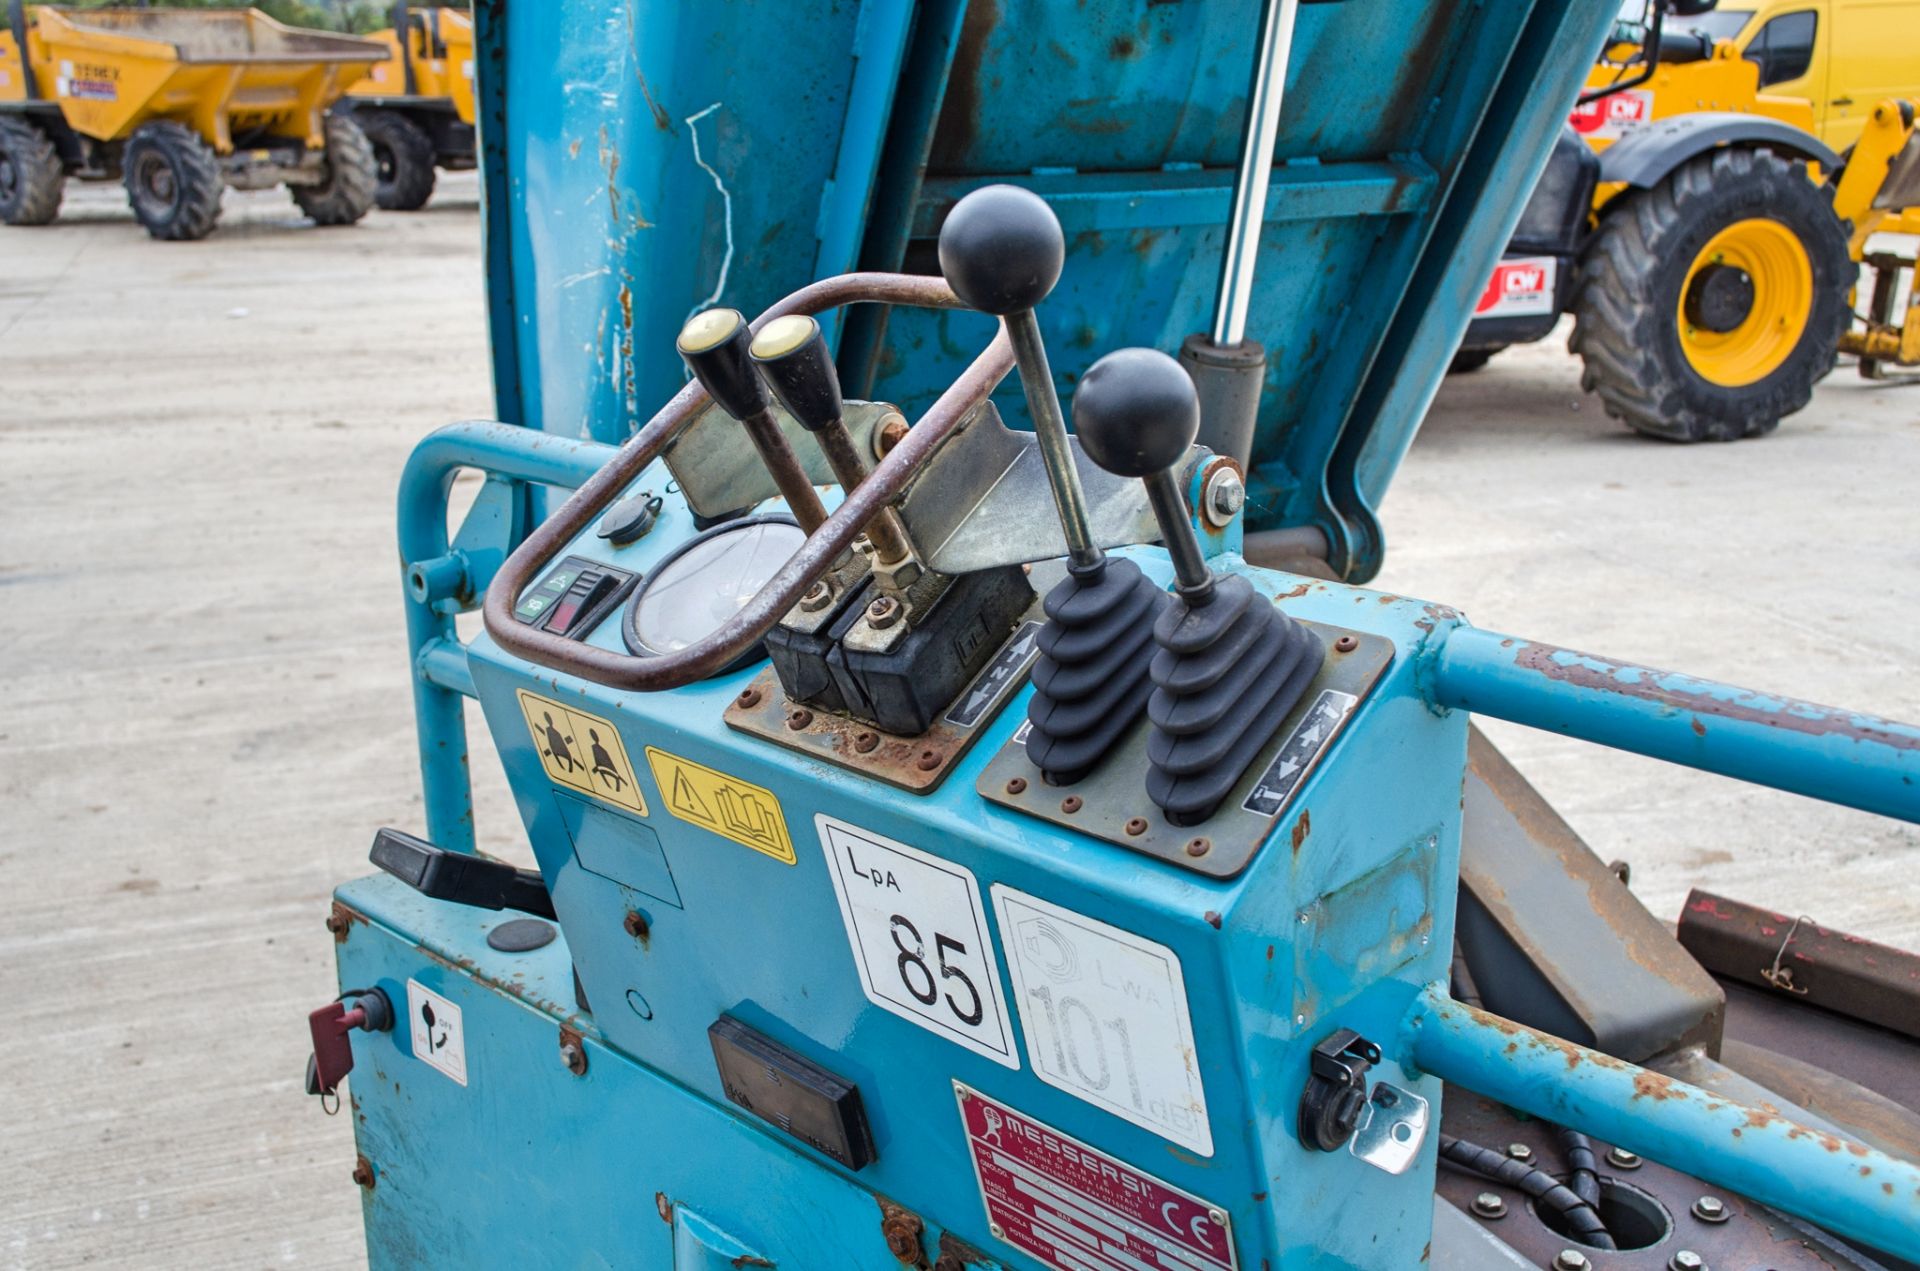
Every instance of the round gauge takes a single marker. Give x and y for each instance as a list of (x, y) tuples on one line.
[(707, 580)]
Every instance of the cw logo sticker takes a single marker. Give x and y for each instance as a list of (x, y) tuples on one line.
[(746, 813), (581, 752)]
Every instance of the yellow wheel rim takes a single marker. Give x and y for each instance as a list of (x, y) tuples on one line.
[(1773, 258)]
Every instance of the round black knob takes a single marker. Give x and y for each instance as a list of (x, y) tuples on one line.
[(1135, 412), (1001, 249), (792, 354)]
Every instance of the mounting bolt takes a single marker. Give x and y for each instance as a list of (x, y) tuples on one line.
[(1711, 1209), (799, 718), (1686, 1260), (1218, 1217), (1225, 495), (1519, 1151), (1490, 1205), (363, 1172), (892, 431), (636, 924), (1199, 846), (902, 1232), (997, 1231), (865, 740), (1137, 826), (1017, 785), (818, 597), (1570, 1260), (1346, 644), (1071, 804), (929, 760), (574, 1056), (883, 613), (1620, 1158), (1621, 870), (749, 697)]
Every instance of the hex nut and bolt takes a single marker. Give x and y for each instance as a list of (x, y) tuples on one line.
[(1226, 494), (1199, 846), (902, 1233), (1490, 1205), (1071, 804), (1711, 1209), (1686, 1260), (363, 1172), (1137, 826), (800, 718), (1519, 1151), (1570, 1260), (892, 431), (574, 1056), (883, 613), (1346, 644), (1017, 786), (749, 697), (865, 740), (818, 597), (635, 924), (1620, 1158), (929, 760)]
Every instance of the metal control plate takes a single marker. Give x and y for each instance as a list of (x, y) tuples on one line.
[(915, 764), (1112, 804)]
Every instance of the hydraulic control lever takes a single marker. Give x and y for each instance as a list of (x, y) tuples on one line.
[(791, 353), (461, 877), (1002, 251), (1230, 666), (715, 346)]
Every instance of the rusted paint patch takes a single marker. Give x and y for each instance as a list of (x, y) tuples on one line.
[(1600, 675), (1652, 1085), (340, 922), (1302, 828)]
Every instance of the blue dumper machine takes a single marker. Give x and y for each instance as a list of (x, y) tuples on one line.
[(980, 819)]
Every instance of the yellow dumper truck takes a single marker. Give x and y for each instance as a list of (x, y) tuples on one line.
[(178, 104), (417, 109)]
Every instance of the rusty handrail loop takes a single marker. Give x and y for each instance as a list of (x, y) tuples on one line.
[(822, 548)]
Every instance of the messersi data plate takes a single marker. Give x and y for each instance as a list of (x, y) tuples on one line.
[(1076, 1208), (919, 937), (1112, 803), (1105, 1015), (915, 764)]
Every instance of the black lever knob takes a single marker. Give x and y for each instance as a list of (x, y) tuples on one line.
[(1136, 415), (791, 353), (714, 346), (1001, 249)]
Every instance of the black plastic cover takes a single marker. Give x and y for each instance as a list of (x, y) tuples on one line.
[(791, 1093)]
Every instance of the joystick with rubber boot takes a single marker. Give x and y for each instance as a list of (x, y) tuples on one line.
[(1229, 665), (1001, 250)]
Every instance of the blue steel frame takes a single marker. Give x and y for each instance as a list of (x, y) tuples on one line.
[(1844, 757)]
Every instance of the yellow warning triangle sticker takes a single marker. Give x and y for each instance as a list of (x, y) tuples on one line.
[(717, 801)]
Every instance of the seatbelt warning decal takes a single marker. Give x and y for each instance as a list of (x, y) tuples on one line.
[(713, 800), (1075, 1208), (581, 752), (918, 931), (1105, 1014)]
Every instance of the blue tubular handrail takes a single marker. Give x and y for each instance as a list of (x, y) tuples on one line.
[(1842, 1186), (1838, 756), (441, 581)]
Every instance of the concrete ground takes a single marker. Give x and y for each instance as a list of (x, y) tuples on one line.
[(204, 710)]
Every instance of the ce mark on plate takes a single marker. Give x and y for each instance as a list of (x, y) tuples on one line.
[(918, 932)]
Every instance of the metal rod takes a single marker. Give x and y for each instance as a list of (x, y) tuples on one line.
[(887, 531), (1845, 1187), (1189, 565), (17, 23), (1050, 427), (1256, 166), (1838, 756), (791, 479)]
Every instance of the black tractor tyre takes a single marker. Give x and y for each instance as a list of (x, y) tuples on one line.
[(32, 178), (173, 181), (403, 155), (1467, 360), (352, 175), (1626, 309)]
